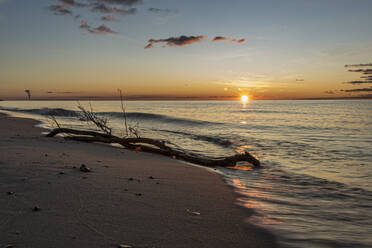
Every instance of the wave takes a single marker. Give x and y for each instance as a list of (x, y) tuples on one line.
[(60, 112)]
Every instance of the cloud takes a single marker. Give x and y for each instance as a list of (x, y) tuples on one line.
[(102, 8), (359, 82), (300, 80), (364, 71), (219, 38), (60, 10), (222, 38), (359, 65), (98, 30), (101, 30), (121, 2), (72, 3), (368, 77), (162, 11), (176, 41), (330, 92), (358, 90), (109, 18), (84, 25)]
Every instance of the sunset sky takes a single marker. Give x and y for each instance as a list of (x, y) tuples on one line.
[(210, 49)]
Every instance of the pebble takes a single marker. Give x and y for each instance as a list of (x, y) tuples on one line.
[(61, 173), (36, 209), (138, 194), (84, 168), (10, 193), (151, 177)]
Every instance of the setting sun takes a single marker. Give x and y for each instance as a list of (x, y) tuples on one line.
[(244, 98)]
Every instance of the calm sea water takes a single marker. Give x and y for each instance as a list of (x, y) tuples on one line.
[(315, 187)]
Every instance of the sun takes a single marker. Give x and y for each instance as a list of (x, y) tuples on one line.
[(244, 98)]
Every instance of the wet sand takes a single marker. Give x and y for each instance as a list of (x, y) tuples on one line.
[(129, 198)]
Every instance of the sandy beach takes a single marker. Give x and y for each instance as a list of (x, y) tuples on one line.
[(128, 198)]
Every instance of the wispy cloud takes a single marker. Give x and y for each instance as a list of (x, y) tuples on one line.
[(226, 39), (364, 71), (102, 8), (101, 30), (330, 92), (98, 30), (176, 41), (72, 3), (162, 11), (358, 82), (109, 18), (358, 90), (60, 10), (359, 65)]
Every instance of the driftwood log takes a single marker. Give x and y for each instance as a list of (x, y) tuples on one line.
[(153, 146)]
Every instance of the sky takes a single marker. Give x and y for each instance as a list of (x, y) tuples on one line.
[(167, 49)]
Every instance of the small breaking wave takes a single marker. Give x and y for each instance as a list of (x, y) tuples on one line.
[(60, 112)]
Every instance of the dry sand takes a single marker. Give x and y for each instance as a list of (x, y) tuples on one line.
[(138, 199)]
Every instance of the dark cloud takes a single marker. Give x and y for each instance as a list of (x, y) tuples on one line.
[(358, 90), (219, 38), (60, 10), (359, 65), (367, 77), (162, 11), (358, 82), (109, 18), (330, 92), (102, 8), (364, 71), (72, 3), (222, 38), (101, 30), (176, 41)]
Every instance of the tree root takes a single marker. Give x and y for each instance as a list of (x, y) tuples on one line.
[(154, 146)]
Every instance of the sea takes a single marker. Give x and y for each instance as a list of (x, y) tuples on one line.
[(315, 185)]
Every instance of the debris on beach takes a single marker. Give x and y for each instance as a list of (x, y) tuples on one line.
[(193, 212), (61, 173), (36, 209), (138, 194), (151, 177), (138, 149), (84, 168), (124, 246), (10, 193)]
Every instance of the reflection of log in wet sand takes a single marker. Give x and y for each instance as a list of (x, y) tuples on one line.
[(139, 199)]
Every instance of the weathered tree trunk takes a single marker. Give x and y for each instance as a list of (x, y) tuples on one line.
[(154, 146)]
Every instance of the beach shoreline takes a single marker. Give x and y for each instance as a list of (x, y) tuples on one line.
[(136, 199)]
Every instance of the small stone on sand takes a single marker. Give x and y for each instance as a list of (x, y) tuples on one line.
[(10, 193), (151, 177), (84, 168), (61, 173), (36, 209)]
